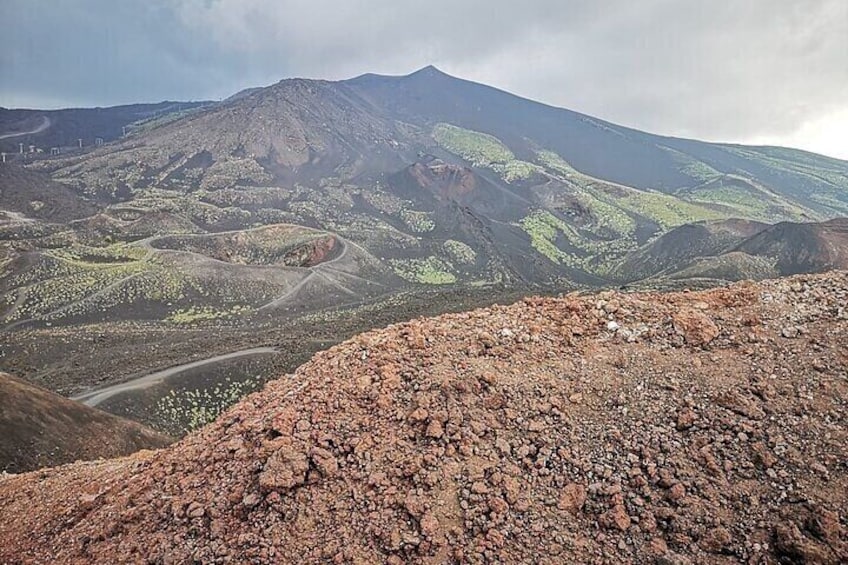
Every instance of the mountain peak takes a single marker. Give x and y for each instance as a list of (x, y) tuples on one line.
[(429, 70)]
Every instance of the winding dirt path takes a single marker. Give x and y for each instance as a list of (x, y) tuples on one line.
[(95, 397), (46, 123), (317, 270)]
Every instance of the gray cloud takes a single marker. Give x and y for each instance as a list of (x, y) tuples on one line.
[(762, 70)]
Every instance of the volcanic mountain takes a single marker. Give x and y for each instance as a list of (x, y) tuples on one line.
[(698, 427), (41, 429), (423, 180)]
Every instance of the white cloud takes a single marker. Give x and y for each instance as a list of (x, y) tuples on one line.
[(718, 70)]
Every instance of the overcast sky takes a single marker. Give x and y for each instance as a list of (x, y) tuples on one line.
[(752, 71)]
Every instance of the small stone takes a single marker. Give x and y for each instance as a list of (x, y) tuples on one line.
[(716, 540), (616, 518), (676, 492), (324, 461), (429, 525), (435, 429), (790, 332), (697, 328), (479, 487), (195, 510), (419, 415), (285, 469), (250, 500), (686, 419), (573, 498), (612, 325)]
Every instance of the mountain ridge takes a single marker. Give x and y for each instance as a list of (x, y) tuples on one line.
[(431, 179)]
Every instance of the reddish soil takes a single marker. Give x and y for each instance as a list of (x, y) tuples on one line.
[(703, 427), (448, 182)]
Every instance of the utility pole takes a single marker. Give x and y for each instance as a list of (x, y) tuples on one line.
[(124, 130), (80, 142), (54, 150), (98, 141), (21, 145), (4, 156)]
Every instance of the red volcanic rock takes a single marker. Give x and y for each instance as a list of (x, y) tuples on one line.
[(500, 435)]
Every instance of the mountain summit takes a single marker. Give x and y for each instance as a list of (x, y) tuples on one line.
[(420, 180)]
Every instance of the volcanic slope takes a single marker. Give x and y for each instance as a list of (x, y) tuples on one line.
[(427, 179), (700, 427), (41, 429), (740, 249)]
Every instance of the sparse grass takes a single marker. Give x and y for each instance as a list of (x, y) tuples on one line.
[(480, 149), (666, 210), (460, 252), (194, 314), (418, 222), (430, 270), (543, 227), (483, 150), (189, 410), (553, 161), (594, 256)]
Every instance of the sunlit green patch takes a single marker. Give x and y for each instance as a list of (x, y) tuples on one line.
[(460, 252), (483, 150), (196, 314), (430, 270), (189, 410), (418, 222)]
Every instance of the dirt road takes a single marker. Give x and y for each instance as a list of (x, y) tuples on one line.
[(95, 397)]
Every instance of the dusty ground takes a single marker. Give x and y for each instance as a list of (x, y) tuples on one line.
[(703, 427), (41, 429)]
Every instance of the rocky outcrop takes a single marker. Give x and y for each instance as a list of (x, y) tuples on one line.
[(644, 428)]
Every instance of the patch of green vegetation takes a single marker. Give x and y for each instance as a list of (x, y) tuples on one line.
[(744, 202), (692, 167), (227, 172), (418, 222), (480, 149), (666, 210), (89, 256), (195, 314), (85, 280), (821, 179), (483, 150), (514, 170), (547, 233), (430, 270), (279, 244), (189, 410), (460, 252), (699, 170), (608, 217), (556, 163), (542, 227)]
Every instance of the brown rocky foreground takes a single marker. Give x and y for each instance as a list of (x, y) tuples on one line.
[(704, 427)]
